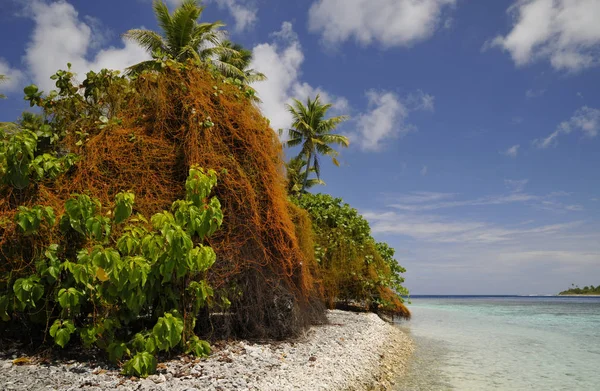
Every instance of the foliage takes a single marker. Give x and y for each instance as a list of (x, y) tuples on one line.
[(296, 175), (313, 132), (183, 39), (353, 267), (122, 274), (23, 158), (240, 59), (586, 290), (140, 135)]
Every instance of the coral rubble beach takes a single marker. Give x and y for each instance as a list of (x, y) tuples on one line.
[(355, 351)]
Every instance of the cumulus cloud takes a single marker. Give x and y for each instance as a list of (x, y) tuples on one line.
[(564, 32), (281, 61), (14, 77), (387, 22), (512, 151), (60, 36), (386, 118), (585, 120), (244, 12)]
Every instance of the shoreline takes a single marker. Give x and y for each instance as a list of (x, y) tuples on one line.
[(355, 351), (578, 295)]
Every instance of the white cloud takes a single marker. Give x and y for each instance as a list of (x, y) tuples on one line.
[(482, 251), (59, 37), (389, 22), (243, 12), (565, 32), (445, 230), (424, 171), (420, 101), (386, 118), (419, 197), (426, 201), (586, 120), (14, 77), (281, 62), (512, 151)]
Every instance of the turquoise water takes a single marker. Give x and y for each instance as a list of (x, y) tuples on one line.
[(504, 343)]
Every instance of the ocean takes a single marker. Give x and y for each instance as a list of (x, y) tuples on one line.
[(503, 343)]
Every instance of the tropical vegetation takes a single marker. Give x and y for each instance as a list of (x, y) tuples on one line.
[(355, 269), (148, 212), (586, 290), (183, 38), (314, 134)]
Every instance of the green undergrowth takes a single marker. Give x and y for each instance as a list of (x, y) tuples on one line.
[(115, 280)]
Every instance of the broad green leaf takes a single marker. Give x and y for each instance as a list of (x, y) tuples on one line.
[(142, 365), (124, 206), (61, 332)]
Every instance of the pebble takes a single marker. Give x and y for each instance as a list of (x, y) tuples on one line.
[(364, 353)]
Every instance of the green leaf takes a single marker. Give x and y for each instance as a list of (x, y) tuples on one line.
[(69, 298), (168, 331), (142, 365), (28, 290), (116, 351), (61, 332), (124, 206), (30, 89), (197, 347)]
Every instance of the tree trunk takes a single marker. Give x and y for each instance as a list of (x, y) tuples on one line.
[(307, 172)]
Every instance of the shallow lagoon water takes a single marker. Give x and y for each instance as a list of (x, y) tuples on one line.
[(504, 343)]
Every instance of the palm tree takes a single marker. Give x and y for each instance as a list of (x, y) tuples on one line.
[(296, 175), (314, 132), (240, 58), (182, 38)]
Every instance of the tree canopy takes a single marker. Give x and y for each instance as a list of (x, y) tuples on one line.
[(183, 38), (314, 134)]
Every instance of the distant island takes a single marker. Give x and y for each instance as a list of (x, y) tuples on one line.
[(586, 290)]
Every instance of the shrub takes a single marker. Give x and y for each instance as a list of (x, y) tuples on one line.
[(127, 285), (352, 266), (143, 133)]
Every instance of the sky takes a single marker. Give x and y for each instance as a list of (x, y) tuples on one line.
[(473, 124)]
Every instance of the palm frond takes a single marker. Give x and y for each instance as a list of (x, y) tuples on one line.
[(313, 182), (161, 11), (147, 39), (335, 139), (293, 142), (149, 65), (183, 21)]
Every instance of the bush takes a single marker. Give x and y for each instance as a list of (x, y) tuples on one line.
[(352, 266), (129, 286), (143, 133)]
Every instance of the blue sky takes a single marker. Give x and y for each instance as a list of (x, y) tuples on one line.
[(474, 125)]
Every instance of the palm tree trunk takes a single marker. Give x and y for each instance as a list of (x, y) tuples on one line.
[(307, 172)]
